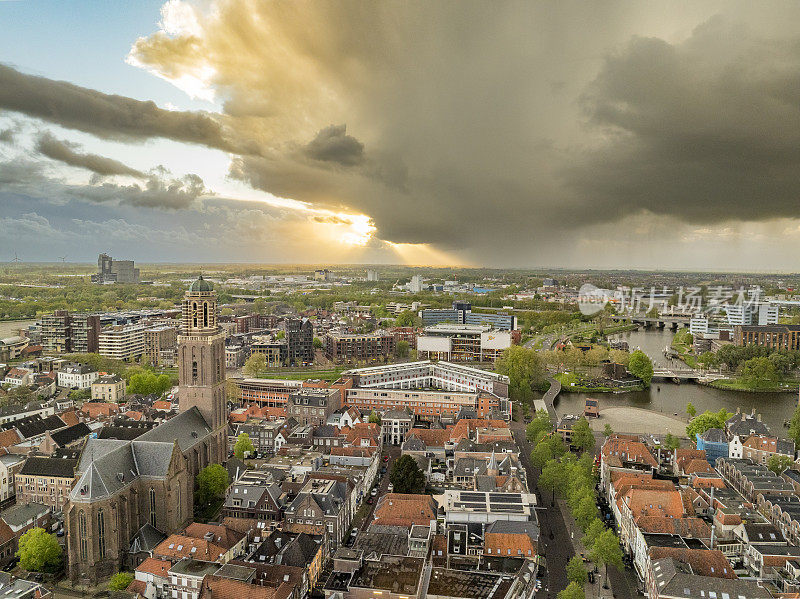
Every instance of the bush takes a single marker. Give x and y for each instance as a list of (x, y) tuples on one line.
[(120, 581)]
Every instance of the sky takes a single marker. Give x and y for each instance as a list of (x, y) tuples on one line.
[(469, 133)]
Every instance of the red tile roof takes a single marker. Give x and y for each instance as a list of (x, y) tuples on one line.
[(156, 567)]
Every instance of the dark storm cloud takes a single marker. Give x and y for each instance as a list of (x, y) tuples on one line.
[(332, 144), (69, 153), (104, 115), (706, 130)]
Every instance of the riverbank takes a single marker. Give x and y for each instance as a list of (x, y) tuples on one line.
[(738, 385)]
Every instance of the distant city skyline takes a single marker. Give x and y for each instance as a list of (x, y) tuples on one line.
[(612, 135)]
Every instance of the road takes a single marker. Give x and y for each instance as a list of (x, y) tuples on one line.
[(383, 486), (554, 538)]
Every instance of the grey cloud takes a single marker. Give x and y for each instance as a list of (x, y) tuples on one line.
[(160, 190), (157, 192), (332, 144), (105, 115), (69, 153), (707, 130), (7, 135)]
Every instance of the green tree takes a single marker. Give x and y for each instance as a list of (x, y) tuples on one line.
[(671, 441), (794, 427), (576, 571), (553, 478), (541, 454), (778, 463), (759, 371), (243, 445), (255, 365), (120, 581), (702, 422), (587, 511), (39, 551), (402, 348), (606, 552), (540, 424), (375, 418), (607, 430), (573, 591), (406, 477), (641, 367), (652, 312), (317, 343), (280, 335), (408, 319), (211, 483), (582, 435), (691, 410), (147, 383), (594, 529), (525, 370)]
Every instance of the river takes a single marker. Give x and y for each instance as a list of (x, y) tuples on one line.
[(670, 398)]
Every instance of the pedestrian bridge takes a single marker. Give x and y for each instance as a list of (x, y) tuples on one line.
[(687, 374)]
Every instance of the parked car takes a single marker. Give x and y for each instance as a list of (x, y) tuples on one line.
[(391, 488), (370, 500), (374, 491)]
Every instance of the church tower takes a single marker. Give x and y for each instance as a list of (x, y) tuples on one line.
[(201, 356)]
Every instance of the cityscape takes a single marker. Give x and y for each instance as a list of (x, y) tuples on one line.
[(399, 300)]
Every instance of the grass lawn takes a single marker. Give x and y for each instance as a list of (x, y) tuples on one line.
[(759, 386), (572, 382)]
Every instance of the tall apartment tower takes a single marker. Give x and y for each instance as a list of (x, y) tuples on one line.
[(201, 356)]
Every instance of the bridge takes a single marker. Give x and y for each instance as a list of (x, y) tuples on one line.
[(674, 322), (687, 374)]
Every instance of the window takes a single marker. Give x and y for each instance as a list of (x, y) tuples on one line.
[(101, 533), (194, 371), (152, 507), (82, 533)]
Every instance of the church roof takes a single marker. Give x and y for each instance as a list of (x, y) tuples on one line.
[(108, 465), (201, 285), (187, 428)]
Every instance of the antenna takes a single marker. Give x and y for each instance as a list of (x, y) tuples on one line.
[(16, 258), (62, 258)]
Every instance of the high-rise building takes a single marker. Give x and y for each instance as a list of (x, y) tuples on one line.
[(63, 332), (416, 284), (115, 271), (201, 358), (372, 275), (158, 341), (299, 341), (122, 342)]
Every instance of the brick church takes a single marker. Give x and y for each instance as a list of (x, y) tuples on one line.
[(129, 495)]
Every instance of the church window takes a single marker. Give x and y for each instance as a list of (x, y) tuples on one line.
[(101, 533), (153, 507), (194, 314), (82, 534), (205, 314), (194, 371), (179, 504)]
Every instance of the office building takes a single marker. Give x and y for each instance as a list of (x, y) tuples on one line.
[(122, 342), (461, 313), (462, 343), (115, 271), (416, 285), (159, 341), (372, 275), (63, 332), (299, 341), (373, 347), (774, 336)]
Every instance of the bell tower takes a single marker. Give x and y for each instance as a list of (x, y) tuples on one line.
[(201, 356)]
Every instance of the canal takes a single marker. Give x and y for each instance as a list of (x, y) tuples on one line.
[(670, 398)]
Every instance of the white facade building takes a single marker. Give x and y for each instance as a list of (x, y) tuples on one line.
[(77, 376), (122, 342)]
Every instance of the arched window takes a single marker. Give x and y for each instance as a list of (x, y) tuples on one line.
[(152, 506), (194, 371), (82, 534), (205, 315), (194, 314), (180, 510), (101, 533)]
